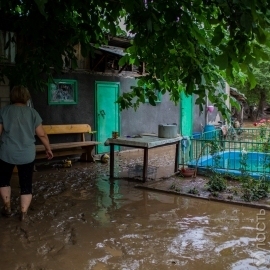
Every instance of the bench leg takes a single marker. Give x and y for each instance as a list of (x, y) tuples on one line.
[(176, 162), (88, 155), (111, 160), (145, 164)]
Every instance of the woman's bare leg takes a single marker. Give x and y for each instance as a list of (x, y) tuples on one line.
[(25, 203), (5, 193)]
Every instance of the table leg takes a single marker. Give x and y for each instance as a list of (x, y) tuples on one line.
[(176, 163), (145, 164), (111, 160)]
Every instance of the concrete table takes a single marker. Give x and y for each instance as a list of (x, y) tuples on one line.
[(146, 143)]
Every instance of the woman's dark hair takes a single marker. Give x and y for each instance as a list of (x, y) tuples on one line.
[(19, 94)]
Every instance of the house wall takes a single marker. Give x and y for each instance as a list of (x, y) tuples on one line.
[(202, 118), (4, 93), (144, 120), (147, 117)]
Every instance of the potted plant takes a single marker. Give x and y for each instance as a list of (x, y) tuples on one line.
[(187, 172)]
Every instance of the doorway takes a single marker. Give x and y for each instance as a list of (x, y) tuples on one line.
[(106, 112), (186, 114)]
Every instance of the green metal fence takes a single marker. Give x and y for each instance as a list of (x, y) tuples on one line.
[(247, 149)]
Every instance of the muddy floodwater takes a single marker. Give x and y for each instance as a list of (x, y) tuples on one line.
[(80, 219)]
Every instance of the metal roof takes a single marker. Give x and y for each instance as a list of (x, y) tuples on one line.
[(238, 95), (112, 49), (120, 41)]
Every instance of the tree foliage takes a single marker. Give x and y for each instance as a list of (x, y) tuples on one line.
[(187, 46), (260, 94)]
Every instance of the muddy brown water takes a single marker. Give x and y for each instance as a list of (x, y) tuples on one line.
[(80, 219)]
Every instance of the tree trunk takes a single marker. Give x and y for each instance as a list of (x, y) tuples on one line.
[(262, 101)]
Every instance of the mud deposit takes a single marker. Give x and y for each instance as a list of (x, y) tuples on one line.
[(80, 219), (197, 187)]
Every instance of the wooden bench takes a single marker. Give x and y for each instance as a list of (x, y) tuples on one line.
[(82, 147)]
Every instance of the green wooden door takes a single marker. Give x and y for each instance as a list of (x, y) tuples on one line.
[(107, 112), (186, 115)]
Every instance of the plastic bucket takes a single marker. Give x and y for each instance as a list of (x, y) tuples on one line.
[(209, 133), (210, 108), (167, 131), (196, 135)]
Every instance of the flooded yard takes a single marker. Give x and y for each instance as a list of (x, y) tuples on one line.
[(80, 219)]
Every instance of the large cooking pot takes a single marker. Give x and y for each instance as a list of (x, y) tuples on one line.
[(167, 131)]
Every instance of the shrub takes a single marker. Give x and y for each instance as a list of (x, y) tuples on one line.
[(216, 182), (254, 189)]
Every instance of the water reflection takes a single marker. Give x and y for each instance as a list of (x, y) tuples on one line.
[(108, 199), (155, 229)]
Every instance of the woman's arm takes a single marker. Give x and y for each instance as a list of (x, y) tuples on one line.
[(1, 129), (45, 141)]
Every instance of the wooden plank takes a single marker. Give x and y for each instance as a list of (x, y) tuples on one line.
[(85, 153), (62, 153), (59, 146), (65, 129)]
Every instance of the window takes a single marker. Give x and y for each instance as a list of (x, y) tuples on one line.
[(62, 92), (8, 54)]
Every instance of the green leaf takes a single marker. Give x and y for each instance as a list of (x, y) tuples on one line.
[(41, 7), (198, 35), (112, 29), (173, 51), (260, 54), (152, 101), (222, 61), (149, 25), (190, 87), (249, 59), (141, 83), (122, 61), (191, 48), (132, 61), (156, 27), (261, 36), (246, 21), (218, 36), (243, 67), (251, 79)]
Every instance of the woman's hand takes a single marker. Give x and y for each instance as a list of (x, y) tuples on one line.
[(45, 141), (49, 154)]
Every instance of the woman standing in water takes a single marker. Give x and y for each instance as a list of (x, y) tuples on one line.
[(18, 126)]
